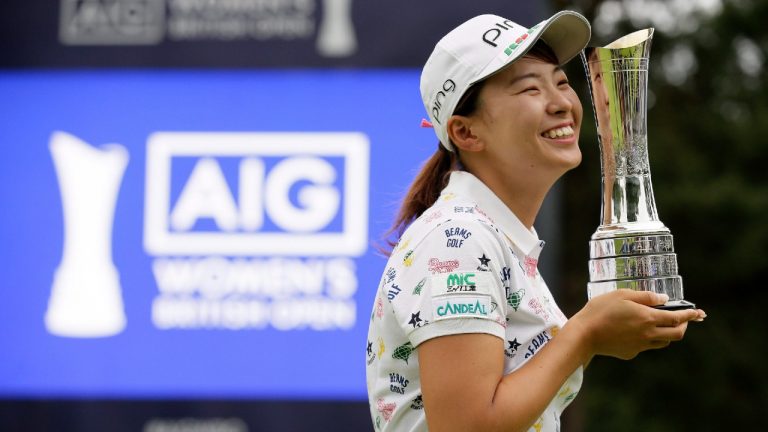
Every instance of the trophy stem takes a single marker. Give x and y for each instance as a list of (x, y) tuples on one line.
[(631, 249)]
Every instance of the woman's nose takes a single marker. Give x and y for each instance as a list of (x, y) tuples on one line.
[(559, 102)]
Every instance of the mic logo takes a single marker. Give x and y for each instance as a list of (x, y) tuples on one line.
[(86, 297)]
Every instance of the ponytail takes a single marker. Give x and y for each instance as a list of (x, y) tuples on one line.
[(424, 191), (433, 177)]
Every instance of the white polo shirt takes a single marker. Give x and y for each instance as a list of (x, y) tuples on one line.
[(467, 265)]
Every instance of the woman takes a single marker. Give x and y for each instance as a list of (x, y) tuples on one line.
[(464, 333)]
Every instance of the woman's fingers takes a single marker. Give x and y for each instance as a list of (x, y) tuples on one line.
[(647, 298), (675, 318), (658, 344), (670, 334)]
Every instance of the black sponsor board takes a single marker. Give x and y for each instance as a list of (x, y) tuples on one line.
[(235, 33), (84, 415)]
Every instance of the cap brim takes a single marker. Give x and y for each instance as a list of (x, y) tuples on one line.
[(566, 32)]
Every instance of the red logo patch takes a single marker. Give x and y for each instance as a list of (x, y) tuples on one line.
[(379, 307), (386, 409), (437, 266), (530, 266), (432, 216)]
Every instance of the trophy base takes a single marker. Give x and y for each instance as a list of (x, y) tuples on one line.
[(671, 286), (673, 305)]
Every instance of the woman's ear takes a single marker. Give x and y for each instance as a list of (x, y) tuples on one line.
[(461, 134)]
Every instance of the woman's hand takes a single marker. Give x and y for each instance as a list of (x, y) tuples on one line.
[(623, 323)]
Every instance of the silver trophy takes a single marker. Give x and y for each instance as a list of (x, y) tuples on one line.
[(631, 249)]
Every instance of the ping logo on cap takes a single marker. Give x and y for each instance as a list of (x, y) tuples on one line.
[(492, 34), (449, 86)]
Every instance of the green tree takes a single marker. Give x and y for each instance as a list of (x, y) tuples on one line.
[(708, 145)]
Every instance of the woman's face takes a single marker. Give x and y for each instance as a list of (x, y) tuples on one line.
[(529, 119)]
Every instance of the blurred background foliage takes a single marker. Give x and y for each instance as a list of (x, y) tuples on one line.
[(708, 145)]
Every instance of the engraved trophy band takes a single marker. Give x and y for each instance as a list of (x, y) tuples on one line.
[(631, 249)]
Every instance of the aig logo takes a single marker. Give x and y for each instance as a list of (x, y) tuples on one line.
[(290, 194), (107, 22)]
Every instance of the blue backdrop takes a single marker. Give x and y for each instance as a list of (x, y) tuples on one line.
[(206, 355)]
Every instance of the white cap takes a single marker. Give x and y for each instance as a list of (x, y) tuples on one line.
[(483, 46)]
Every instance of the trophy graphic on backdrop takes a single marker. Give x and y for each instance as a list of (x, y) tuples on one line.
[(631, 249), (85, 299), (336, 36)]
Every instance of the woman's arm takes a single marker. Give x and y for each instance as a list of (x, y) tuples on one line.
[(462, 376)]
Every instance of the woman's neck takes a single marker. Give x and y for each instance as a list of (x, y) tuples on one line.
[(523, 195), (524, 202)]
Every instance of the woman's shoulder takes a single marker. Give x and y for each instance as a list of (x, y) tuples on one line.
[(452, 218)]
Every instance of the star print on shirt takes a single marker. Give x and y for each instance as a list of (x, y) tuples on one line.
[(415, 320), (484, 260), (417, 403), (512, 349)]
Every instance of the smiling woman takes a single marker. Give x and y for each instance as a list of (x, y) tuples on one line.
[(464, 333)]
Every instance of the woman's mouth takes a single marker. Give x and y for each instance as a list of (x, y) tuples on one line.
[(558, 132)]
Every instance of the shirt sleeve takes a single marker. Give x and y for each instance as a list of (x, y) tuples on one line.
[(453, 285)]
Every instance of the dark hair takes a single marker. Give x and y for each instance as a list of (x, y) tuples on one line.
[(434, 174)]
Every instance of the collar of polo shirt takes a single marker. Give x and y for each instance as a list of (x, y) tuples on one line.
[(465, 184)]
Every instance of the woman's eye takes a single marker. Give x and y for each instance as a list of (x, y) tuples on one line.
[(563, 82)]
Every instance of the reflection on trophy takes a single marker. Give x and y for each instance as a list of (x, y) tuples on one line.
[(631, 248), (336, 36), (85, 299)]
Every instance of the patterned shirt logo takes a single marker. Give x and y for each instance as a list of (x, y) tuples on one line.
[(417, 290), (403, 352), (460, 282), (393, 292), (408, 258), (456, 236), (417, 403), (416, 321), (538, 309), (379, 307), (530, 266), (381, 347), (470, 306), (397, 383), (369, 352), (391, 272), (514, 298), (512, 348), (432, 216), (484, 261), (537, 342), (437, 266), (385, 409)]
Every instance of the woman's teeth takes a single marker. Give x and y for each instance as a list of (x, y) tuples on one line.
[(558, 132)]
